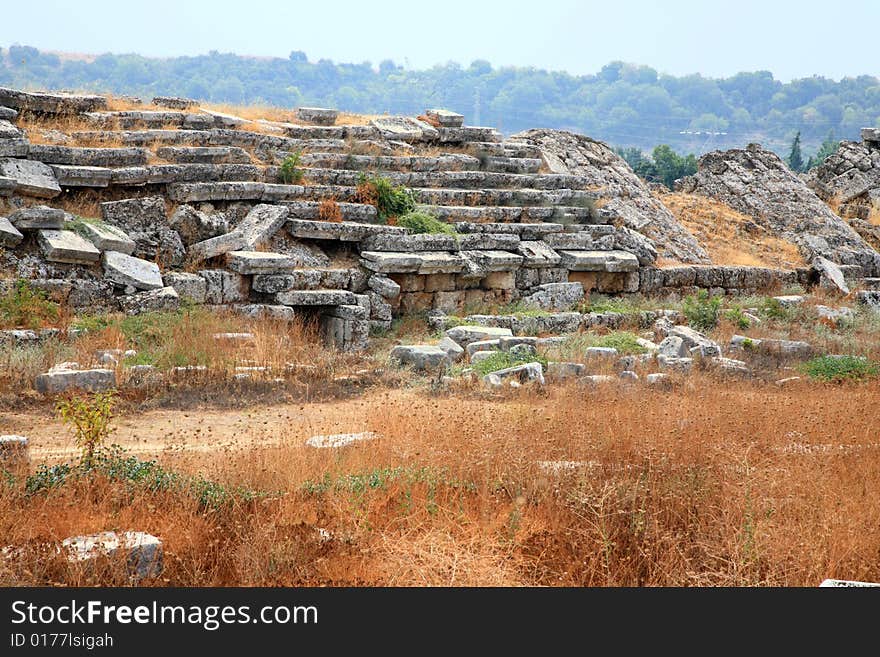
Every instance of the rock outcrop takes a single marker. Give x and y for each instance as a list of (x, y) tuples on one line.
[(629, 200), (757, 183)]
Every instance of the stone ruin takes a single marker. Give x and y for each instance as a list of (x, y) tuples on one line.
[(191, 206)]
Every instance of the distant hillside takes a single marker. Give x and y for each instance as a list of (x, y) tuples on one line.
[(624, 104)]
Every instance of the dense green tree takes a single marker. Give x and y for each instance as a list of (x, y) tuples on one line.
[(795, 159)]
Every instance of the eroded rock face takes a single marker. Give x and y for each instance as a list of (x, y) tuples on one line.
[(146, 222), (632, 202), (756, 182)]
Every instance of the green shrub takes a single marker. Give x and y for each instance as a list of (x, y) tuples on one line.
[(500, 360), (90, 418), (773, 309), (625, 342), (840, 368), (25, 307), (391, 201), (423, 223), (290, 173), (737, 317), (702, 311)]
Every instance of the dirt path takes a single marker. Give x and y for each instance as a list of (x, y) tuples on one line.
[(195, 430)]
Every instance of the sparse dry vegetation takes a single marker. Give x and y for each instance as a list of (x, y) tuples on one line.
[(730, 237)]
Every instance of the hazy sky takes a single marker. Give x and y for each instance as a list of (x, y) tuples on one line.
[(789, 38)]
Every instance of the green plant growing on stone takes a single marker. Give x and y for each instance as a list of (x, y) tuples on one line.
[(90, 419), (422, 223), (702, 311), (500, 360), (391, 201), (840, 368), (625, 342), (24, 307), (290, 173)]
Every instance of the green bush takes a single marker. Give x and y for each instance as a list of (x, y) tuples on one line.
[(25, 307), (90, 419), (840, 368), (500, 360), (625, 342), (391, 201), (702, 311), (737, 317), (290, 173), (423, 223)]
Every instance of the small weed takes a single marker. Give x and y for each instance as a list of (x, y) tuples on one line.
[(290, 173), (501, 360), (702, 311), (841, 368), (424, 223), (90, 418), (736, 316), (391, 201), (329, 210), (25, 307)]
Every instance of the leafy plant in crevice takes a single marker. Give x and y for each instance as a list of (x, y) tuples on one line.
[(391, 201), (422, 223), (290, 173), (702, 311)]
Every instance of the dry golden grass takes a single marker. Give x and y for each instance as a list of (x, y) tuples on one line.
[(730, 238), (874, 216), (707, 484)]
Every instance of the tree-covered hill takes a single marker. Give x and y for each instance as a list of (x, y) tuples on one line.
[(623, 104)]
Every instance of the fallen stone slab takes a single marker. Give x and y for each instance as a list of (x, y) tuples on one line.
[(525, 373), (830, 276), (59, 379), (452, 348), (174, 102), (537, 255), (39, 217), (465, 334), (145, 221), (445, 118), (482, 345), (657, 379), (596, 379), (163, 299), (846, 583), (17, 148), (31, 178), (384, 286), (336, 440), (106, 237), (195, 226), (8, 114), (691, 338), (260, 224), (789, 300), (264, 311), (66, 246), (565, 370), (345, 231), (600, 353), (234, 337), (7, 186), (124, 269), (142, 552), (791, 348), (420, 357), (260, 262), (10, 237), (404, 128), (317, 115), (93, 157)]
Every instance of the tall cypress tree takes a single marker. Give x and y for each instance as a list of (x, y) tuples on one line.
[(795, 159)]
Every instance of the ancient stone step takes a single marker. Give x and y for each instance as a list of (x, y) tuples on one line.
[(204, 154), (405, 129), (93, 157), (327, 132), (223, 120), (129, 119), (67, 246), (492, 261), (156, 174), (518, 165), (537, 255), (222, 191), (302, 279), (437, 262), (600, 238), (9, 131), (79, 176), (410, 243), (481, 180), (260, 262), (502, 149), (420, 163), (15, 147), (10, 237), (466, 134), (358, 212), (127, 270), (51, 103), (31, 178), (342, 231), (526, 231), (315, 298), (8, 114), (608, 261)]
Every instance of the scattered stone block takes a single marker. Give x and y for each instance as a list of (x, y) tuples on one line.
[(67, 246), (420, 357), (464, 335), (525, 373), (142, 552), (830, 276), (38, 217), (188, 286), (554, 296), (31, 178), (59, 378), (163, 299), (124, 269), (445, 118), (260, 262), (317, 115), (10, 237), (258, 226), (107, 237), (336, 440)]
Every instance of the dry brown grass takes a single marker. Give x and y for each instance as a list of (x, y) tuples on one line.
[(731, 238), (329, 210), (705, 485)]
